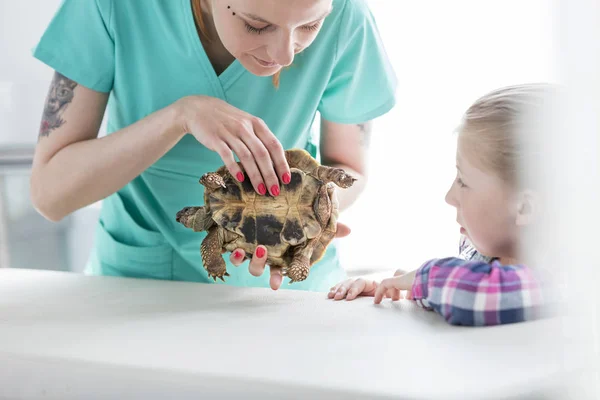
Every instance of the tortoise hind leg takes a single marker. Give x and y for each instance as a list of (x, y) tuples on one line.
[(313, 251), (301, 159), (300, 265), (211, 251)]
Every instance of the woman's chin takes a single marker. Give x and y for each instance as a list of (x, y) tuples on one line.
[(257, 69)]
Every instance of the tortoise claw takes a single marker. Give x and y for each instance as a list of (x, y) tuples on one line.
[(215, 276)]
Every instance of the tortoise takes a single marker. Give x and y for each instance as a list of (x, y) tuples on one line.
[(295, 227)]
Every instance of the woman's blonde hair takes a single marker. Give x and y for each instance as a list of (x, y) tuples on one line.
[(501, 130), (197, 10)]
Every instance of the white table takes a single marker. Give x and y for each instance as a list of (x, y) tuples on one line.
[(69, 336)]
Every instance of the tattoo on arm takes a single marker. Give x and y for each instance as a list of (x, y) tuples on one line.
[(365, 130), (61, 93)]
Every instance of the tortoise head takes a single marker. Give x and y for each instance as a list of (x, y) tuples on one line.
[(212, 180), (346, 180)]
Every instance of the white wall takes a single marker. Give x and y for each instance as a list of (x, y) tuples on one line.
[(446, 54), (24, 81)]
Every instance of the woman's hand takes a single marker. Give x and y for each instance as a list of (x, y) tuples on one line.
[(258, 262), (226, 130), (391, 287)]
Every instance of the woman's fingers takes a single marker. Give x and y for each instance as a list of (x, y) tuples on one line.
[(342, 230), (261, 150), (222, 127), (224, 151), (275, 150), (276, 277), (237, 257), (263, 161), (257, 265), (248, 161), (258, 261)]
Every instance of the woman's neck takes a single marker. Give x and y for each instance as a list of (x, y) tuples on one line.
[(218, 55)]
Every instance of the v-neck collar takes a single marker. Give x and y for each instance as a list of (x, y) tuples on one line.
[(222, 82)]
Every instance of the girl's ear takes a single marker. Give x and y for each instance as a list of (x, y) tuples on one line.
[(527, 207)]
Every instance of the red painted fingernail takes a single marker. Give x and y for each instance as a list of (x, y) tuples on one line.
[(262, 189), (237, 254), (260, 252), (286, 178), (275, 190), (240, 177)]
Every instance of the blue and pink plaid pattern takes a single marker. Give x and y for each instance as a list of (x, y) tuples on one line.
[(476, 292)]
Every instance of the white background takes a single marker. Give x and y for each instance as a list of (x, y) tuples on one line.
[(445, 54)]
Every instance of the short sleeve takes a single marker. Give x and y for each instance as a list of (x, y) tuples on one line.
[(78, 43), (362, 85)]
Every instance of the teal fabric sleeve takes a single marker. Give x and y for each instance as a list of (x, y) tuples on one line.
[(363, 84), (78, 43)]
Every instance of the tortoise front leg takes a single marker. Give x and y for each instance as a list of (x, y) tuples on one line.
[(195, 218), (211, 250), (213, 181), (335, 175)]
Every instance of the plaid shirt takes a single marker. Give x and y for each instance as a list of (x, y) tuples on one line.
[(476, 291)]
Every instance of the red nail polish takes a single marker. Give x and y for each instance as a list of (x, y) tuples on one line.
[(262, 189), (240, 177), (237, 254), (286, 178), (275, 190), (260, 252)]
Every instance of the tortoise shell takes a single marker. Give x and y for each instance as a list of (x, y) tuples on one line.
[(295, 227), (277, 223)]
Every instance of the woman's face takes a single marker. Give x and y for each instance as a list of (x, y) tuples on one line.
[(264, 35)]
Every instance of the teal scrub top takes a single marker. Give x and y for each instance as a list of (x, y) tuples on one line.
[(147, 54)]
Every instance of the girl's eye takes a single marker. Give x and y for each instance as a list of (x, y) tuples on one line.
[(252, 29), (460, 182)]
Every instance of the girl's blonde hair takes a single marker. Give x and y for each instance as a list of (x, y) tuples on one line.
[(501, 130), (197, 10)]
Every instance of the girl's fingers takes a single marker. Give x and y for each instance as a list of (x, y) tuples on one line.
[(356, 288)]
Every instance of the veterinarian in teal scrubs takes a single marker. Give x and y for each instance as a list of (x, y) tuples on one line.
[(182, 81)]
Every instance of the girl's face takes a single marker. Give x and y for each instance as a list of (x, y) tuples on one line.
[(486, 207), (264, 35)]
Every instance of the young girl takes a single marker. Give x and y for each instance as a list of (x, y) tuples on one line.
[(488, 283)]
